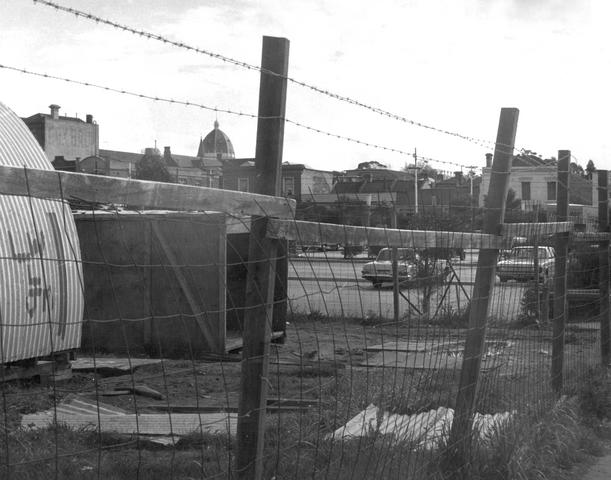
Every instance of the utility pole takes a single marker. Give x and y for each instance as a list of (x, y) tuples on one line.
[(472, 203), (415, 182)]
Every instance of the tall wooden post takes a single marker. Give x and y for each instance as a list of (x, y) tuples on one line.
[(603, 261), (261, 266), (560, 271), (395, 272), (460, 434)]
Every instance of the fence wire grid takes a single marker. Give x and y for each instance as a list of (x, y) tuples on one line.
[(364, 364)]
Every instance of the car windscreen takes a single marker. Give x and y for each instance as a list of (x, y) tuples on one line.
[(527, 253)]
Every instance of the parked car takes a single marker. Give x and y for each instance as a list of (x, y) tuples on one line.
[(520, 264), (380, 270), (320, 247)]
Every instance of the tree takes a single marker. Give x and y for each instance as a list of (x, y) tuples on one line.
[(424, 169), (373, 164), (576, 169), (152, 167), (590, 169)]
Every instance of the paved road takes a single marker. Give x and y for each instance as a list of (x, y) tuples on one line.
[(336, 288)]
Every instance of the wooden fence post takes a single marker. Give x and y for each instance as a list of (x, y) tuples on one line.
[(603, 255), (395, 272), (560, 271), (261, 266), (460, 434)]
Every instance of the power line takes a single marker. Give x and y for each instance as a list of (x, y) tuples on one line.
[(248, 66), (186, 103)]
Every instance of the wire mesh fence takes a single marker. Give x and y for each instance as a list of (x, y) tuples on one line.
[(367, 327)]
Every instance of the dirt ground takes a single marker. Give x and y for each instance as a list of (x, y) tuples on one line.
[(317, 352), (331, 370)]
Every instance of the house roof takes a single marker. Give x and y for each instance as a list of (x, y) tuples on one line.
[(42, 116), (186, 161), (523, 160), (238, 162), (116, 156)]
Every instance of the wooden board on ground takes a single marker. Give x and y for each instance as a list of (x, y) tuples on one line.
[(46, 370), (414, 360), (236, 343), (408, 346), (276, 405), (111, 365), (145, 424), (443, 356)]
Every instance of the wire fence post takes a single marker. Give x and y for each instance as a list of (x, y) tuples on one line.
[(460, 434), (395, 273), (560, 271), (261, 267), (603, 256)]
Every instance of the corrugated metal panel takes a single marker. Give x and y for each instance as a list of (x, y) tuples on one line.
[(41, 292)]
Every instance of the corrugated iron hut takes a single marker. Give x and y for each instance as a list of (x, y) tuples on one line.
[(41, 287)]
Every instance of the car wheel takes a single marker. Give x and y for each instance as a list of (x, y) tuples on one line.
[(377, 284), (503, 279)]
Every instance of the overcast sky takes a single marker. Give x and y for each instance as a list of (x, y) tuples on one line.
[(451, 64)]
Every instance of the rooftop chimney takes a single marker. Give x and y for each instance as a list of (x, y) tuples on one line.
[(151, 151), (54, 111), (89, 118), (167, 153), (488, 160)]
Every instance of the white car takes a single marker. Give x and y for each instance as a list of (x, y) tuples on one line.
[(380, 270), (520, 264)]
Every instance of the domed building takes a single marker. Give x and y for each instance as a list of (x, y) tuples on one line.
[(216, 145)]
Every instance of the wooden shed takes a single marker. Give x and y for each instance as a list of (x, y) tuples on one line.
[(164, 283)]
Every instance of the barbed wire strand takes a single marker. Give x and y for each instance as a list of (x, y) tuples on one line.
[(186, 103), (248, 66)]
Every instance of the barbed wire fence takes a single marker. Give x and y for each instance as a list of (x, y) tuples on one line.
[(355, 368)]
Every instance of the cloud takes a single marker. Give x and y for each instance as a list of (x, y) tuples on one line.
[(198, 68)]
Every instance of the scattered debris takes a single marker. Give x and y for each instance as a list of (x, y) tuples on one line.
[(430, 355), (407, 346), (111, 365), (46, 370), (274, 405), (78, 412), (423, 430), (233, 344)]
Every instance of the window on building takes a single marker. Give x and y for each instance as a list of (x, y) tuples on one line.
[(526, 191), (288, 185), (243, 184), (551, 190)]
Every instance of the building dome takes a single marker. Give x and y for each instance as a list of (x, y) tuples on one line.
[(216, 144)]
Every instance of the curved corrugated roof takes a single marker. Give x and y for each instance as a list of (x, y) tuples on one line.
[(41, 281)]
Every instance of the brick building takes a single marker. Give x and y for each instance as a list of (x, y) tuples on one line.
[(64, 139)]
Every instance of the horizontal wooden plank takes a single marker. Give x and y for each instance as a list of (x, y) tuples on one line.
[(583, 293), (52, 184), (537, 229), (589, 237), (313, 232)]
